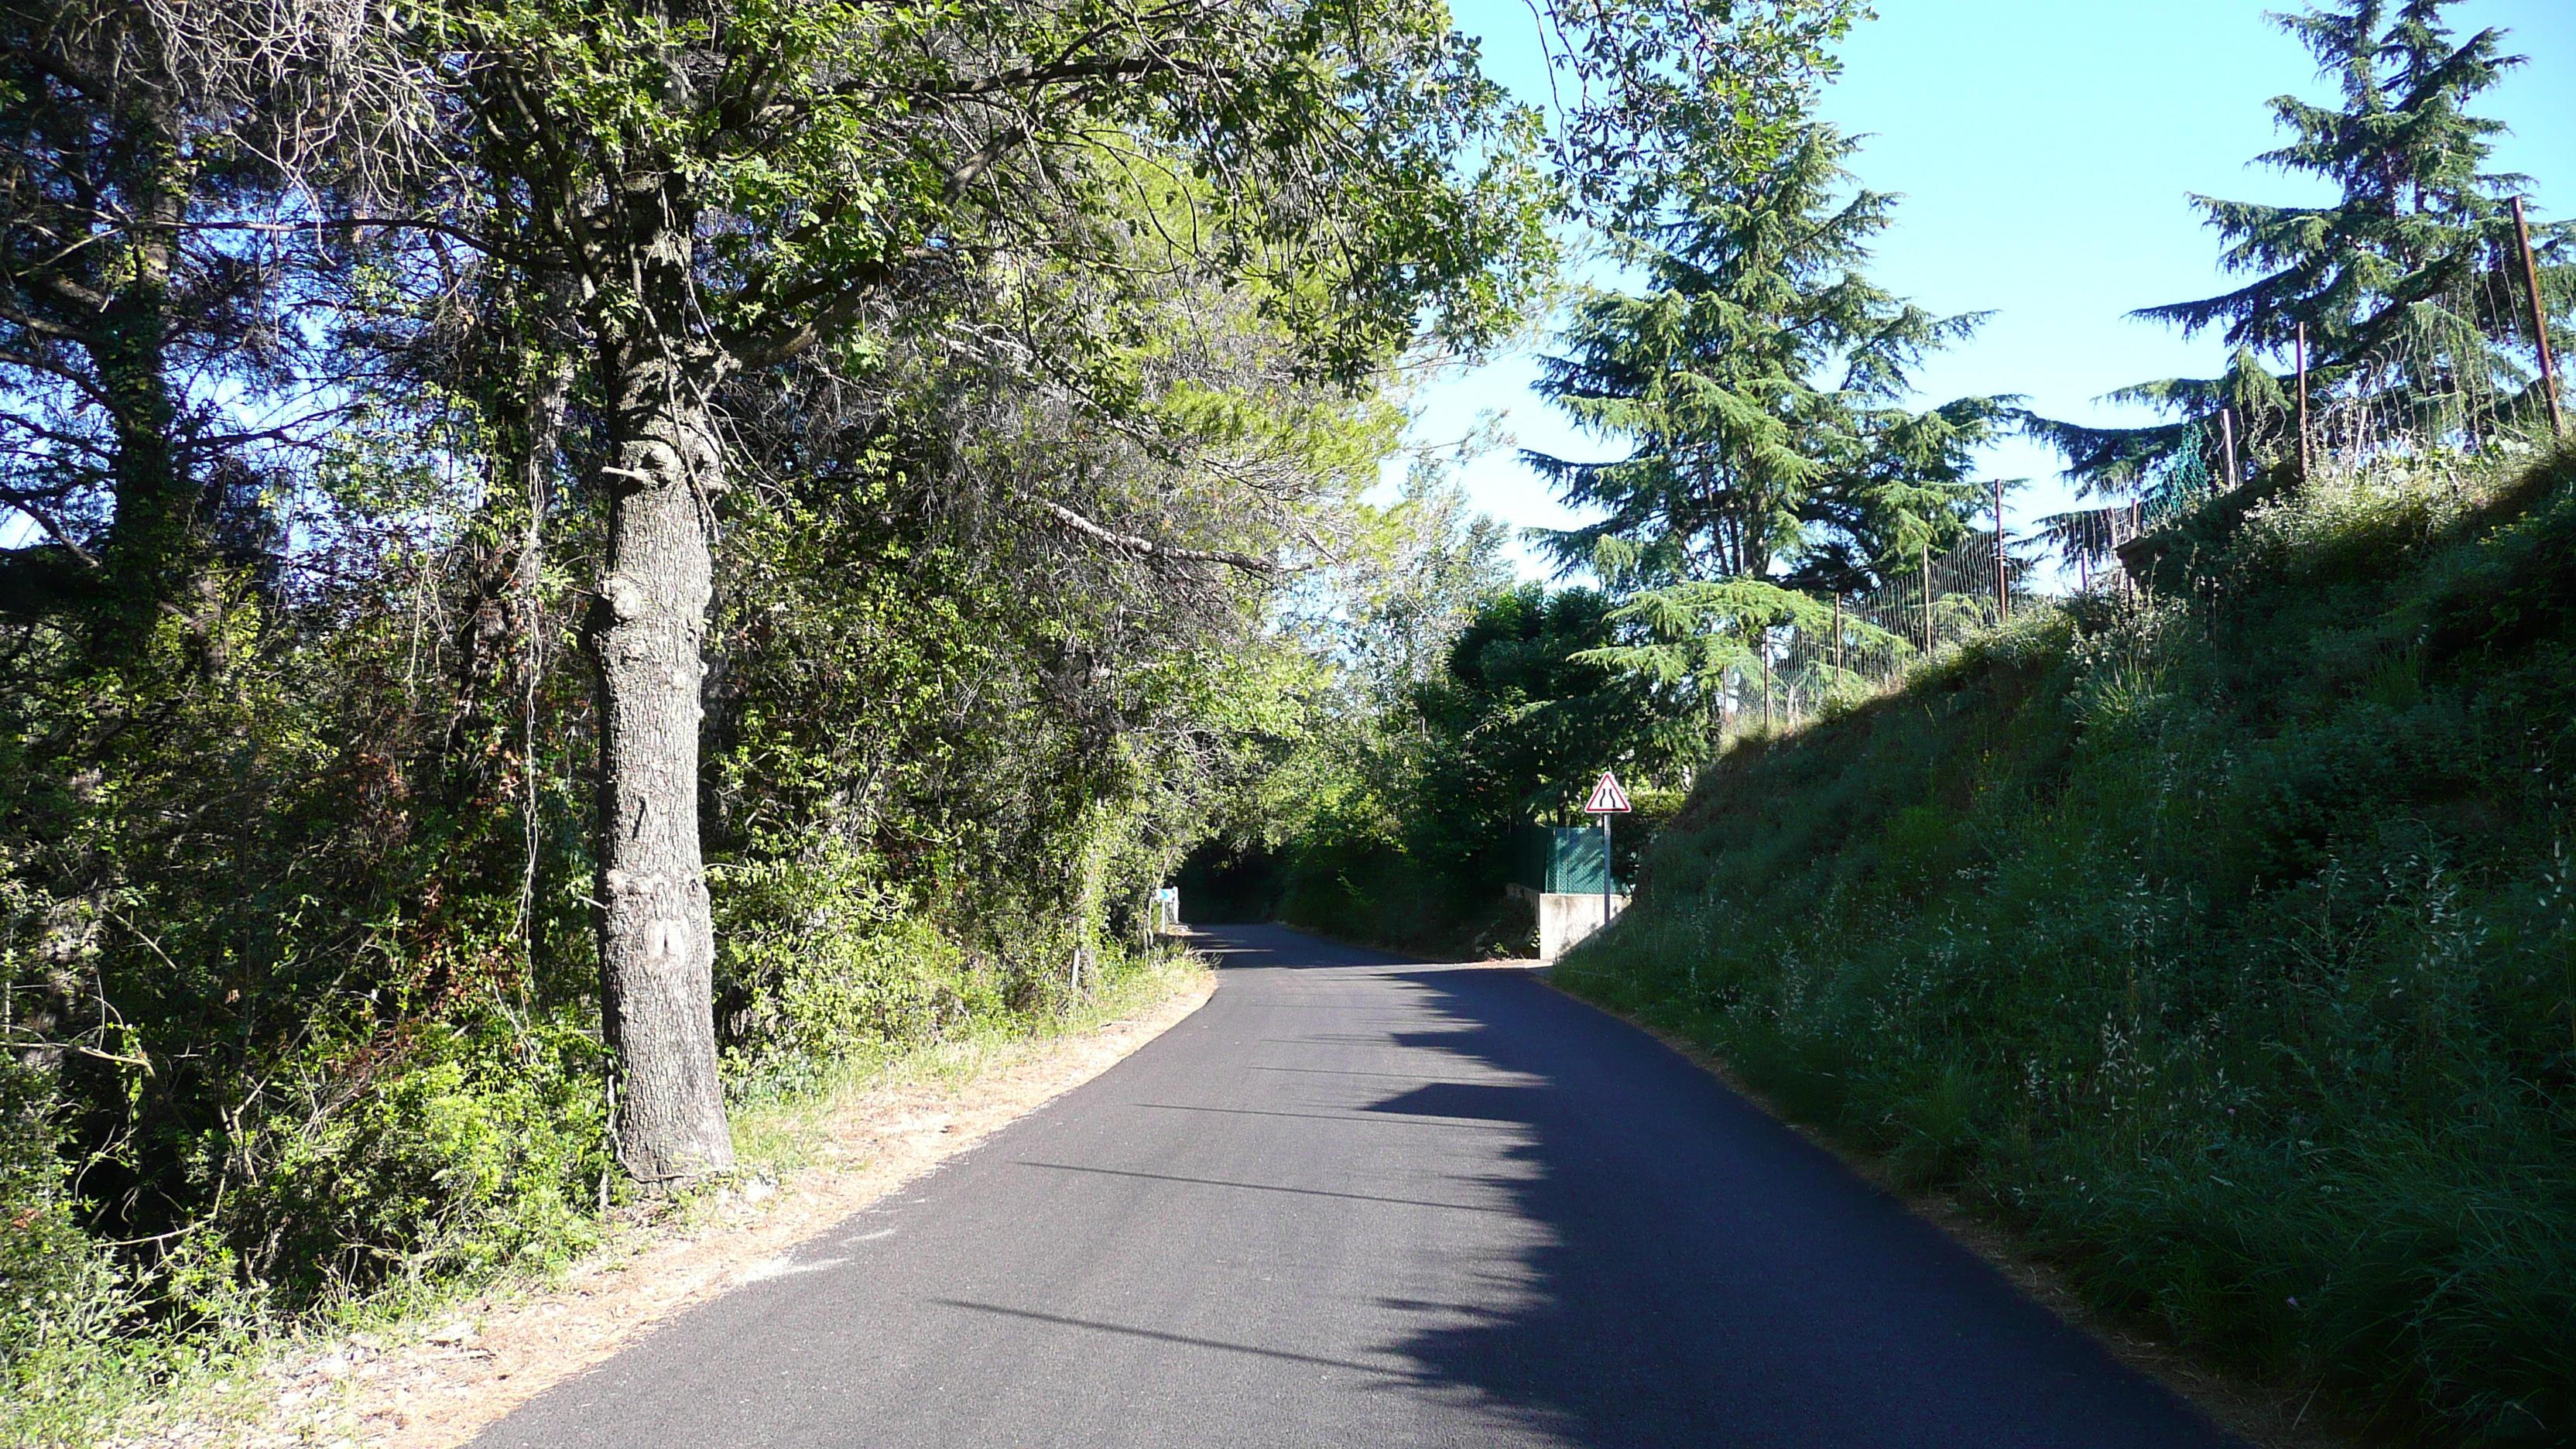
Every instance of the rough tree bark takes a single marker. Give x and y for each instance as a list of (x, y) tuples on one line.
[(656, 932)]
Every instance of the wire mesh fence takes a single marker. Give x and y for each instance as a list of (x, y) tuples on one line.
[(1869, 639), (1875, 637), (2428, 408)]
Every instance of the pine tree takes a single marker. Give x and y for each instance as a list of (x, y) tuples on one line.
[(2408, 284), (1758, 379), (2173, 460)]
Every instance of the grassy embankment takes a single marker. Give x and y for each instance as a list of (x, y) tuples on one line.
[(2225, 946)]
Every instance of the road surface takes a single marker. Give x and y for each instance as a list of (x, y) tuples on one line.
[(1355, 1201)]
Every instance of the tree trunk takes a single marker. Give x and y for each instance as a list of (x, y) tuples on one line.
[(656, 936), (147, 556)]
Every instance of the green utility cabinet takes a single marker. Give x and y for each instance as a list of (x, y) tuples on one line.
[(1557, 859)]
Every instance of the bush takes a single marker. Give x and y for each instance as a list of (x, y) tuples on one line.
[(474, 1144), (59, 1295), (819, 962)]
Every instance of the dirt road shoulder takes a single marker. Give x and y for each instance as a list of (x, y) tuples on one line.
[(439, 1381)]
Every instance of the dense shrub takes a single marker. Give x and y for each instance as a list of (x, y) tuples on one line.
[(58, 1293), (816, 959), (297, 980), (2226, 943), (473, 1144)]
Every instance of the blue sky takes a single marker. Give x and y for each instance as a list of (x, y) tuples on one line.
[(2044, 149)]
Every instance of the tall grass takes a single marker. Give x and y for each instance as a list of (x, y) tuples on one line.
[(2225, 943)]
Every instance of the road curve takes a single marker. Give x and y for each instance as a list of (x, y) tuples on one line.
[(1355, 1201)]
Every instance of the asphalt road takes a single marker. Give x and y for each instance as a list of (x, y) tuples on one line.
[(1356, 1201)]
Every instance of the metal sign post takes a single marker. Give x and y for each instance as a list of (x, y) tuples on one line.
[(1607, 800)]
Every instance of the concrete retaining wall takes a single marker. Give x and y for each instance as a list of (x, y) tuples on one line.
[(1565, 917)]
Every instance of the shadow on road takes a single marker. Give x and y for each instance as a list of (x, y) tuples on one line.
[(1705, 1276)]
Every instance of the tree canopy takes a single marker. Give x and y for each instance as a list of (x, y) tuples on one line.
[(1759, 380), (2407, 287), (566, 560)]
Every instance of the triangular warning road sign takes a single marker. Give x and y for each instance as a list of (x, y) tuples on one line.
[(1607, 797)]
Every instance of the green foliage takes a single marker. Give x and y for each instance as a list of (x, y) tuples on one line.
[(1709, 644), (2417, 224), (58, 1292), (818, 959), (1756, 382), (1315, 152), (298, 915), (2408, 286), (1400, 830), (2227, 948), (1524, 718), (1675, 90), (1632, 840), (474, 1146), (286, 952)]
